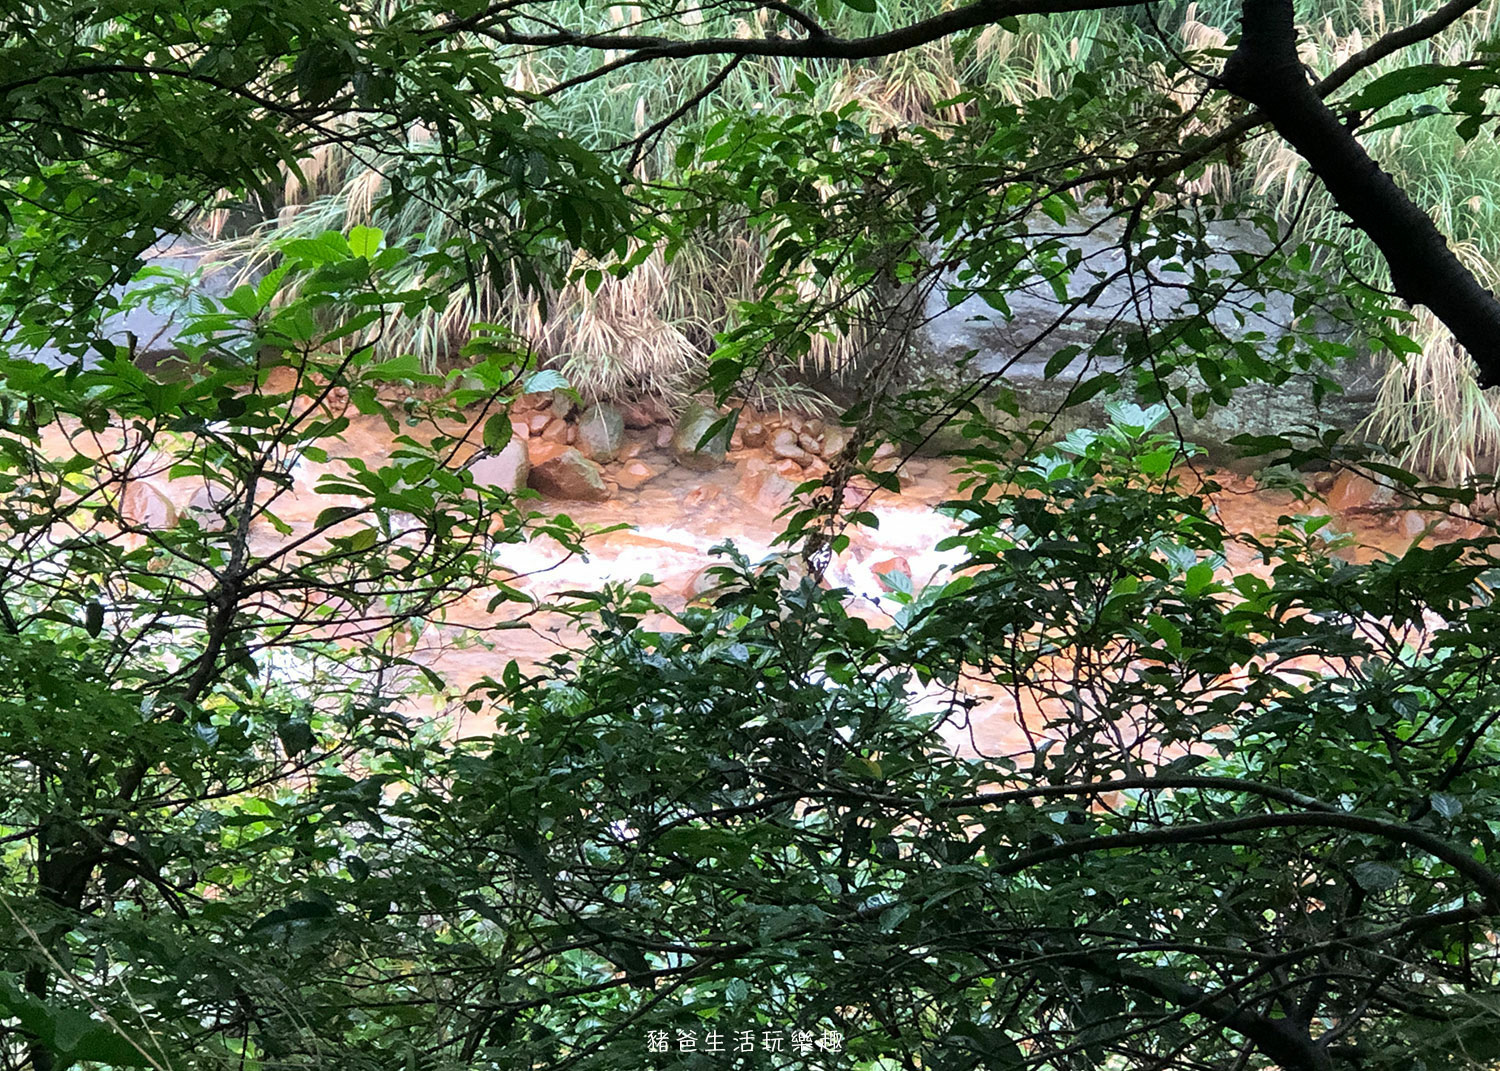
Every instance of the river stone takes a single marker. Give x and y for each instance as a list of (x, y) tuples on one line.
[(640, 415), (1354, 491), (562, 403), (762, 487), (834, 441), (540, 451), (784, 444), (635, 473), (754, 434), (506, 471), (570, 475), (687, 441), (601, 430)]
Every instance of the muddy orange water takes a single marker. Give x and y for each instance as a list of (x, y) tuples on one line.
[(677, 516)]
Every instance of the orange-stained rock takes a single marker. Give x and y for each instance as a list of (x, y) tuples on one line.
[(281, 379), (701, 496), (834, 441), (785, 444), (336, 404), (541, 451), (763, 487), (635, 473), (538, 420), (753, 433), (557, 431), (1458, 528), (1353, 491), (570, 475), (641, 414), (884, 569)]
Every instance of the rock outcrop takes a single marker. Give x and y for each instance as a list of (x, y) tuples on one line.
[(691, 444), (569, 475)]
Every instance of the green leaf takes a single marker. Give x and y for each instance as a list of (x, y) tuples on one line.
[(296, 737), (1170, 634), (544, 380), (497, 431), (365, 241), (335, 514), (1060, 360), (1198, 578)]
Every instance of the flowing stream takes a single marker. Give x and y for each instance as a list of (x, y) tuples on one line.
[(675, 518)]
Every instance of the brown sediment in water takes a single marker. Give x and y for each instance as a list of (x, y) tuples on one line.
[(679, 514)]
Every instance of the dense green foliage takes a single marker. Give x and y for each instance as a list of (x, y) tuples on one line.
[(1248, 814), (1252, 814)]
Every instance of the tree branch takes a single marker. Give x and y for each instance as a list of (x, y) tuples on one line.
[(1266, 71), (815, 46)]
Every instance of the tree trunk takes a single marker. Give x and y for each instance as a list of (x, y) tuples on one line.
[(1266, 71)]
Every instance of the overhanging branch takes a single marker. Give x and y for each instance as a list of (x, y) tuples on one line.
[(1266, 71)]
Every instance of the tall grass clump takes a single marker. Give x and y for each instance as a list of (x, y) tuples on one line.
[(652, 334), (1428, 402)]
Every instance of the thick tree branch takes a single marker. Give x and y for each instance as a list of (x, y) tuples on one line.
[(1483, 878), (1393, 42), (1266, 71), (902, 39)]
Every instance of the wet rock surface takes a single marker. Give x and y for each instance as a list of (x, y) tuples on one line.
[(569, 475), (601, 432), (691, 444), (506, 471)]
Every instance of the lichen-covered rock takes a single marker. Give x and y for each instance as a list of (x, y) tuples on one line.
[(688, 445), (569, 475), (601, 431)]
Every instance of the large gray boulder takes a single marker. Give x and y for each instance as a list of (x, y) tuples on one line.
[(1041, 324), (601, 432), (688, 440)]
